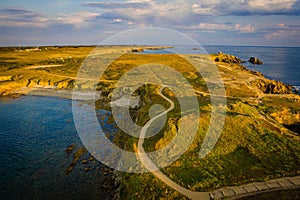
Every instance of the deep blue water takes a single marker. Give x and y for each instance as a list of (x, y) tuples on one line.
[(34, 133), (280, 63)]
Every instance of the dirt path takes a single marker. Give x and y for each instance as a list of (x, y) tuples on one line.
[(147, 162), (228, 192), (79, 78)]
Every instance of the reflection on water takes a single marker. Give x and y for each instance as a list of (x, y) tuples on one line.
[(34, 132)]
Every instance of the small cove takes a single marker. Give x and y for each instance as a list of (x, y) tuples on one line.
[(34, 133)]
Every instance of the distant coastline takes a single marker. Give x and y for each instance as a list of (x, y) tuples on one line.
[(268, 69), (285, 70)]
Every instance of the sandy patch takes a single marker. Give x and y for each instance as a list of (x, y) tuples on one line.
[(42, 66)]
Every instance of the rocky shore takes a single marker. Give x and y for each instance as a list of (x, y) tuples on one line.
[(82, 159)]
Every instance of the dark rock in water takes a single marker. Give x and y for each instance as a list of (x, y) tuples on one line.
[(69, 170), (91, 158), (84, 161), (137, 50), (87, 169), (16, 95), (108, 186), (81, 151), (256, 73), (70, 148), (255, 61)]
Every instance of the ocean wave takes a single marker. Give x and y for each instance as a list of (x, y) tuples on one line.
[(296, 89)]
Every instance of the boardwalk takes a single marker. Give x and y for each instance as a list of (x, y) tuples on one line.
[(255, 188)]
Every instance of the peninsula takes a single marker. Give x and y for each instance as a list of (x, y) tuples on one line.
[(259, 141)]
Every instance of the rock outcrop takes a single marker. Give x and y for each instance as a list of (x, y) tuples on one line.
[(255, 61), (137, 50), (287, 116), (226, 58), (290, 118), (272, 87)]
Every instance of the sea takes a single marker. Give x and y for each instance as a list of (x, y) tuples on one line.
[(35, 132), (280, 63)]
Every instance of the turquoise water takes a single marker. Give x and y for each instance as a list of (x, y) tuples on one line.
[(34, 132)]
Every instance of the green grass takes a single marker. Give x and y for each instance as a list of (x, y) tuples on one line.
[(249, 149)]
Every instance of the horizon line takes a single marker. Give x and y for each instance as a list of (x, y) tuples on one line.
[(90, 45)]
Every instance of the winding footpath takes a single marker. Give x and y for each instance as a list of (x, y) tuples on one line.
[(147, 162), (227, 192)]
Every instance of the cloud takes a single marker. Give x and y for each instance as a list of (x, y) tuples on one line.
[(223, 27), (282, 34), (271, 5), (205, 7), (281, 25), (249, 19), (245, 29), (151, 13), (64, 3), (118, 5), (283, 31), (211, 26), (27, 18), (178, 12), (22, 18), (117, 20), (256, 7), (79, 20)]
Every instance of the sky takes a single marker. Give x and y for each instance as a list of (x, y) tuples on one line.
[(209, 22)]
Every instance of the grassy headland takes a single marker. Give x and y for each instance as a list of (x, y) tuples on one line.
[(260, 139)]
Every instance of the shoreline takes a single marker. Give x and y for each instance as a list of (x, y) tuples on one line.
[(67, 93), (50, 92)]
